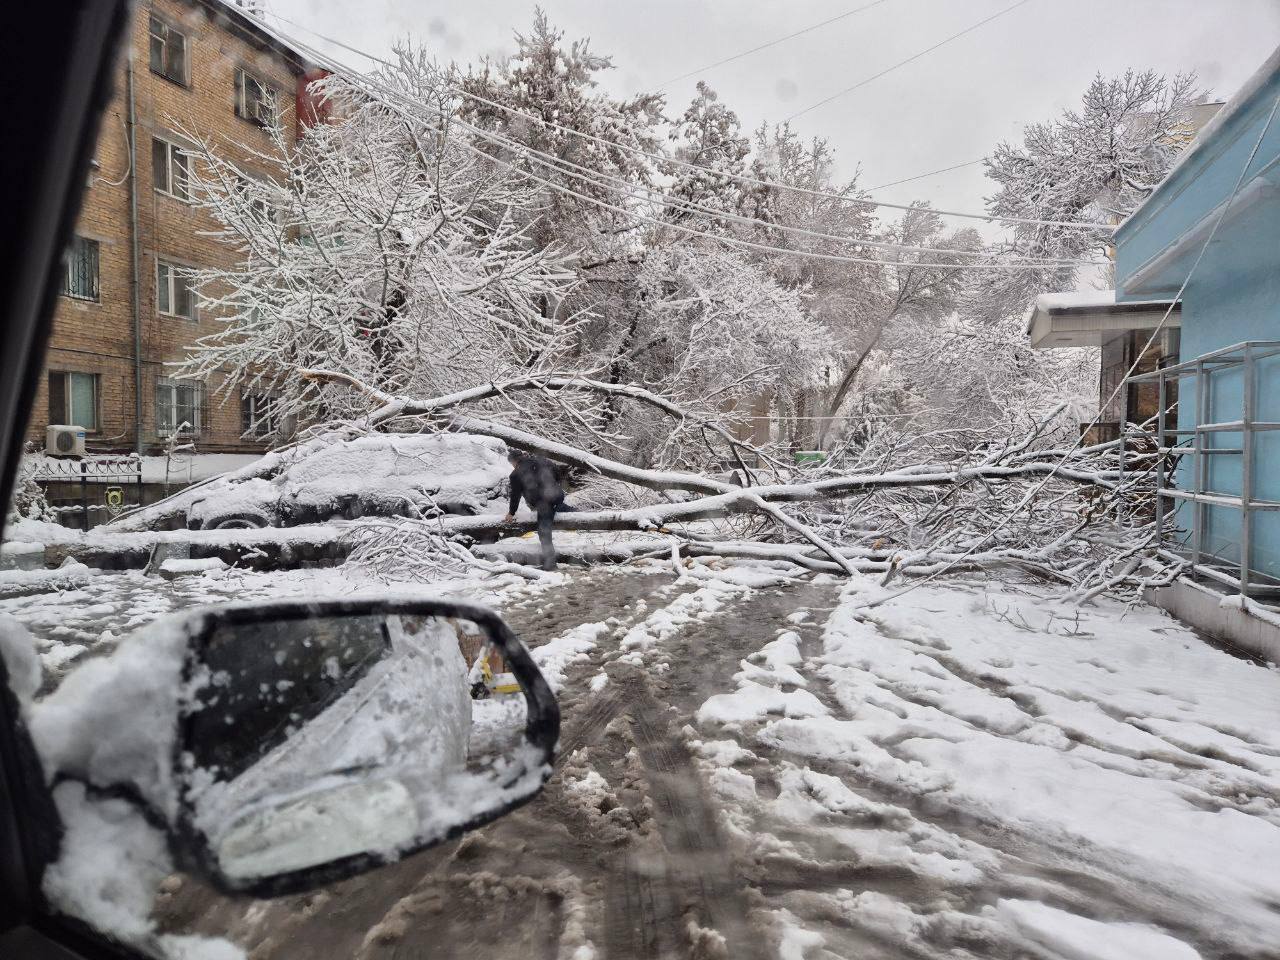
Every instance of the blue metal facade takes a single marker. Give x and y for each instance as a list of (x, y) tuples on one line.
[(1232, 296)]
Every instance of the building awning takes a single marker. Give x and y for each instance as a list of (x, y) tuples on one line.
[(1088, 318)]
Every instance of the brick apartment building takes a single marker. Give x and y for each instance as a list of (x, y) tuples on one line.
[(127, 307)]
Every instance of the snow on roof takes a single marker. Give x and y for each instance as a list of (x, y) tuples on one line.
[(1090, 302), (1095, 299)]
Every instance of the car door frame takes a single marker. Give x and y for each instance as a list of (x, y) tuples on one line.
[(59, 60)]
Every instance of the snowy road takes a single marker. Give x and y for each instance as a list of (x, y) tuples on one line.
[(750, 770)]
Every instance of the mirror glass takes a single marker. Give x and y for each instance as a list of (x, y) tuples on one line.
[(312, 740)]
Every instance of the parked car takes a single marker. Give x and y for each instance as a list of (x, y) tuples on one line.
[(421, 475)]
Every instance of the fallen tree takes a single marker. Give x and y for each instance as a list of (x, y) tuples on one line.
[(925, 517)]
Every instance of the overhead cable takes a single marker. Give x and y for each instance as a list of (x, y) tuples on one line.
[(902, 63), (771, 43), (657, 158), (386, 94)]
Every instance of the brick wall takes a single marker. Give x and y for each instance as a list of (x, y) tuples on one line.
[(97, 337)]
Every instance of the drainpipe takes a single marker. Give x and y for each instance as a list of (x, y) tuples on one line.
[(134, 257)]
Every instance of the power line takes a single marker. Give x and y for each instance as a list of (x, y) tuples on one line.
[(903, 63), (385, 94), (771, 43), (596, 178), (931, 173), (672, 161)]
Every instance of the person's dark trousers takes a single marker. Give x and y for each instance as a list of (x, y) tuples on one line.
[(545, 516)]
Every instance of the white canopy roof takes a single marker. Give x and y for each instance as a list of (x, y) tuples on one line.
[(1088, 318)]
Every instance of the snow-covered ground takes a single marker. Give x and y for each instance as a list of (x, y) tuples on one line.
[(1009, 757), (754, 766)]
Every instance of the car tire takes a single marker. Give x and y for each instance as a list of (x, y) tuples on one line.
[(237, 521)]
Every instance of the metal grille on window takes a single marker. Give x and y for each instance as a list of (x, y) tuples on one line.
[(80, 279), (258, 417), (180, 404), (164, 408)]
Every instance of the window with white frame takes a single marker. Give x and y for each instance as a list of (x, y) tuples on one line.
[(170, 169), (175, 290), (255, 100), (80, 270), (168, 52), (259, 416), (178, 406), (73, 399)]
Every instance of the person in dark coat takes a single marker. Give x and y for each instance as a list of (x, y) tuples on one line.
[(535, 478)]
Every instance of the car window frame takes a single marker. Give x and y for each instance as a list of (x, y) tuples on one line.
[(62, 90)]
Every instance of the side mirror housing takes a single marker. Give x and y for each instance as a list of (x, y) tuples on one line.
[(308, 742)]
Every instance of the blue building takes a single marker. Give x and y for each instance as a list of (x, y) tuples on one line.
[(1209, 236)]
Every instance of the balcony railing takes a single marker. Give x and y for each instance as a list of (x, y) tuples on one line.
[(1197, 447)]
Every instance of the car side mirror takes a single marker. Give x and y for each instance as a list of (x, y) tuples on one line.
[(316, 741)]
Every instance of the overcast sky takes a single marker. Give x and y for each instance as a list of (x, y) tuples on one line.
[(949, 106)]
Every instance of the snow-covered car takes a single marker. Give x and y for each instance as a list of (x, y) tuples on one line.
[(376, 475)]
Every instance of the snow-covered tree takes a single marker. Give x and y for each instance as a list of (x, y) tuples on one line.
[(382, 245), (548, 87), (709, 137), (910, 304), (1097, 162)]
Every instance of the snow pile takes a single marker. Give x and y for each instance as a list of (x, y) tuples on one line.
[(761, 688), (1079, 938), (556, 655), (17, 583), (173, 568), (665, 622)]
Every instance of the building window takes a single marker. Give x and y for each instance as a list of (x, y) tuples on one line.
[(256, 197), (259, 416), (175, 291), (255, 101), (168, 52), (178, 406), (169, 168), (73, 399), (80, 271)]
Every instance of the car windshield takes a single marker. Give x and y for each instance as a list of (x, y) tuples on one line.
[(653, 480)]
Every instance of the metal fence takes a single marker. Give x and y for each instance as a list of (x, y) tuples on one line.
[(86, 491), (1195, 446)]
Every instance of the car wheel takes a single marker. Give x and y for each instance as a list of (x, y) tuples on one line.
[(237, 521)]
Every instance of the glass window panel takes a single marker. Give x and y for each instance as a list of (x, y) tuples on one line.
[(57, 397), (164, 408), (84, 400), (163, 298), (80, 271), (184, 296), (177, 49), (185, 406), (178, 172), (157, 46), (160, 164)]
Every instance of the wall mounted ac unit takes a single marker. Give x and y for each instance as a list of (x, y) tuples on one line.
[(61, 440)]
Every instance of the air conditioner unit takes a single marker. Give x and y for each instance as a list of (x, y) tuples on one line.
[(61, 440)]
